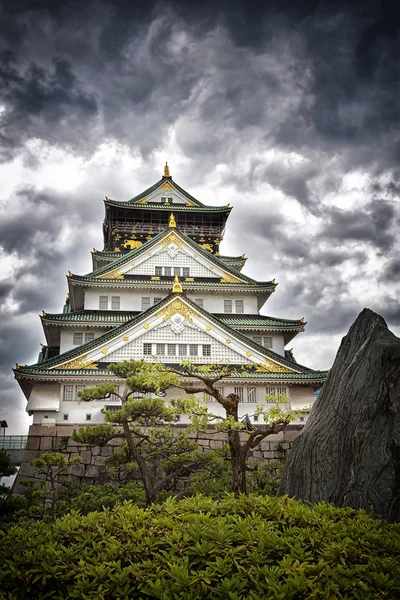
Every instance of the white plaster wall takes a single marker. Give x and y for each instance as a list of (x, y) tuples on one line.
[(162, 259), (132, 300), (67, 336), (44, 396), (278, 344), (214, 302)]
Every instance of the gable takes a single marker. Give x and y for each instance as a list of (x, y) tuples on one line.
[(172, 250), (166, 193), (176, 321)]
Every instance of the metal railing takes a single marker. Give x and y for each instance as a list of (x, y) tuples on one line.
[(13, 442)]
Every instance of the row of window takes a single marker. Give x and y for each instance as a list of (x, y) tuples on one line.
[(105, 302), (169, 271), (88, 417), (80, 338), (246, 394), (70, 392), (263, 341), (251, 393), (115, 302), (177, 349)]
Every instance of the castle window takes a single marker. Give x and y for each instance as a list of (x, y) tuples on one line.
[(239, 392), (89, 337), (206, 349), (185, 271), (78, 339), (146, 349), (227, 306), (182, 350), (255, 418), (170, 200), (281, 391), (239, 306), (251, 395), (65, 417), (199, 302), (257, 339), (160, 349), (268, 342), (113, 397), (68, 393), (103, 302), (177, 271), (157, 300), (88, 417), (115, 302), (163, 200), (145, 303), (193, 350), (158, 271), (167, 271), (171, 349), (78, 388)]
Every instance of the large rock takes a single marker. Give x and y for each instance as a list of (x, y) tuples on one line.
[(349, 450)]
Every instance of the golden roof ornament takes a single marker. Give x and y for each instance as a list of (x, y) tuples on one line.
[(177, 287), (166, 170), (172, 222)]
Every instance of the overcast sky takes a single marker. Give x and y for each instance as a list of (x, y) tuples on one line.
[(289, 110)]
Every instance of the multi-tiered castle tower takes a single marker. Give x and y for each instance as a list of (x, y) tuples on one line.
[(161, 290)]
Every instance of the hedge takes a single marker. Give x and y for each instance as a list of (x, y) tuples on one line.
[(249, 547)]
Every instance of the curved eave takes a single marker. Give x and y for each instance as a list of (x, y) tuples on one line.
[(125, 258), (79, 351), (312, 378), (192, 285), (168, 207)]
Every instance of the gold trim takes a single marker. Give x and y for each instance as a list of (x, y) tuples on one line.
[(177, 306), (208, 327), (166, 170), (154, 278), (189, 278), (142, 201), (172, 238), (229, 279), (166, 186), (126, 339), (172, 221), (177, 287), (44, 314), (79, 363), (116, 274), (270, 367), (132, 244), (228, 341), (248, 353), (104, 350), (146, 326)]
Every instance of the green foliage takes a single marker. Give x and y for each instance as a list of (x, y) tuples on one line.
[(6, 466), (246, 547), (97, 497), (102, 391), (95, 435)]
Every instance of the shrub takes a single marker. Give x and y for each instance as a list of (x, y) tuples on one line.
[(249, 547)]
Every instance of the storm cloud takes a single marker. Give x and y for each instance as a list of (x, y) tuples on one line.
[(289, 111)]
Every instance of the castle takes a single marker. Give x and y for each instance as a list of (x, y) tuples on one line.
[(161, 290)]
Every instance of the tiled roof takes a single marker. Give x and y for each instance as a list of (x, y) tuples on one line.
[(147, 245), (169, 207), (256, 320), (75, 352), (92, 316)]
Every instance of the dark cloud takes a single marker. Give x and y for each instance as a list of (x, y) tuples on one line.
[(274, 102)]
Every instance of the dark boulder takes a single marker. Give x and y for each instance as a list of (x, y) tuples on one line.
[(349, 451)]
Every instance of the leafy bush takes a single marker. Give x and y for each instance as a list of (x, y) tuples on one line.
[(247, 547)]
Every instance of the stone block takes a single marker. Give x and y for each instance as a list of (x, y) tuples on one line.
[(33, 443), (258, 454), (46, 443), (96, 451), (99, 461), (203, 442), (78, 470), (30, 455), (63, 430), (220, 436), (91, 471), (214, 444), (26, 470), (290, 435), (86, 457), (265, 446), (269, 454), (115, 442), (106, 451)]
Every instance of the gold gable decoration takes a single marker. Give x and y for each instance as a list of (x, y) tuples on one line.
[(270, 367), (177, 306), (172, 238), (79, 363), (172, 221), (177, 287), (229, 279), (116, 274)]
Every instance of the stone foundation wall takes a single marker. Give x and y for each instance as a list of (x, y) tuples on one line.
[(92, 469)]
